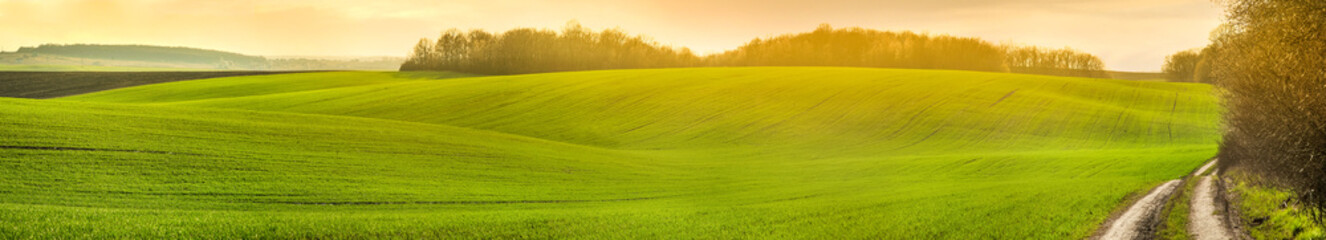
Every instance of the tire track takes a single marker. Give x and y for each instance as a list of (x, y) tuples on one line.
[(1137, 222), (1204, 222)]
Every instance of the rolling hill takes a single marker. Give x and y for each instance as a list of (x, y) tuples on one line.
[(778, 152), (146, 53), (99, 57)]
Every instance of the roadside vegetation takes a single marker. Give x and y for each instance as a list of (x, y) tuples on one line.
[(1175, 226), (576, 48), (1273, 213), (1269, 66), (1267, 62)]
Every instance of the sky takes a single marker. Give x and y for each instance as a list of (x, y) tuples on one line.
[(1129, 35)]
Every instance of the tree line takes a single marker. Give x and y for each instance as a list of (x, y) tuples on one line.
[(1269, 60), (1060, 62), (577, 48), (1190, 66), (527, 50), (857, 47)]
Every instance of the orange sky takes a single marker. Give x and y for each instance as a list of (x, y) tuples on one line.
[(1132, 35)]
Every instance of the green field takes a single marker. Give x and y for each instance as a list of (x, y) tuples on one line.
[(790, 152)]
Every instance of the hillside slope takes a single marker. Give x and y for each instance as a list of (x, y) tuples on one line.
[(740, 106), (668, 153), (143, 53)]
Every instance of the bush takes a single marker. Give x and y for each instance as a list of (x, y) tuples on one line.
[(1270, 60)]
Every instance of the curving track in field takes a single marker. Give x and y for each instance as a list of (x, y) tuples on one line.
[(1138, 220)]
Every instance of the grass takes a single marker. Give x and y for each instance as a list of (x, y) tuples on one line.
[(1272, 213), (668, 153), (1177, 210)]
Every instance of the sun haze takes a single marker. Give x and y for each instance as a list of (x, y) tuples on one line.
[(1129, 35)]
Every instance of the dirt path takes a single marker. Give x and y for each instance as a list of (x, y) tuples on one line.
[(1204, 168), (1203, 222), (1135, 223)]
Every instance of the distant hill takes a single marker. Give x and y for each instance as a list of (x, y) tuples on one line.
[(181, 57), (147, 53)]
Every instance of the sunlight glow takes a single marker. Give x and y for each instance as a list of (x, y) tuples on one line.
[(1128, 34)]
